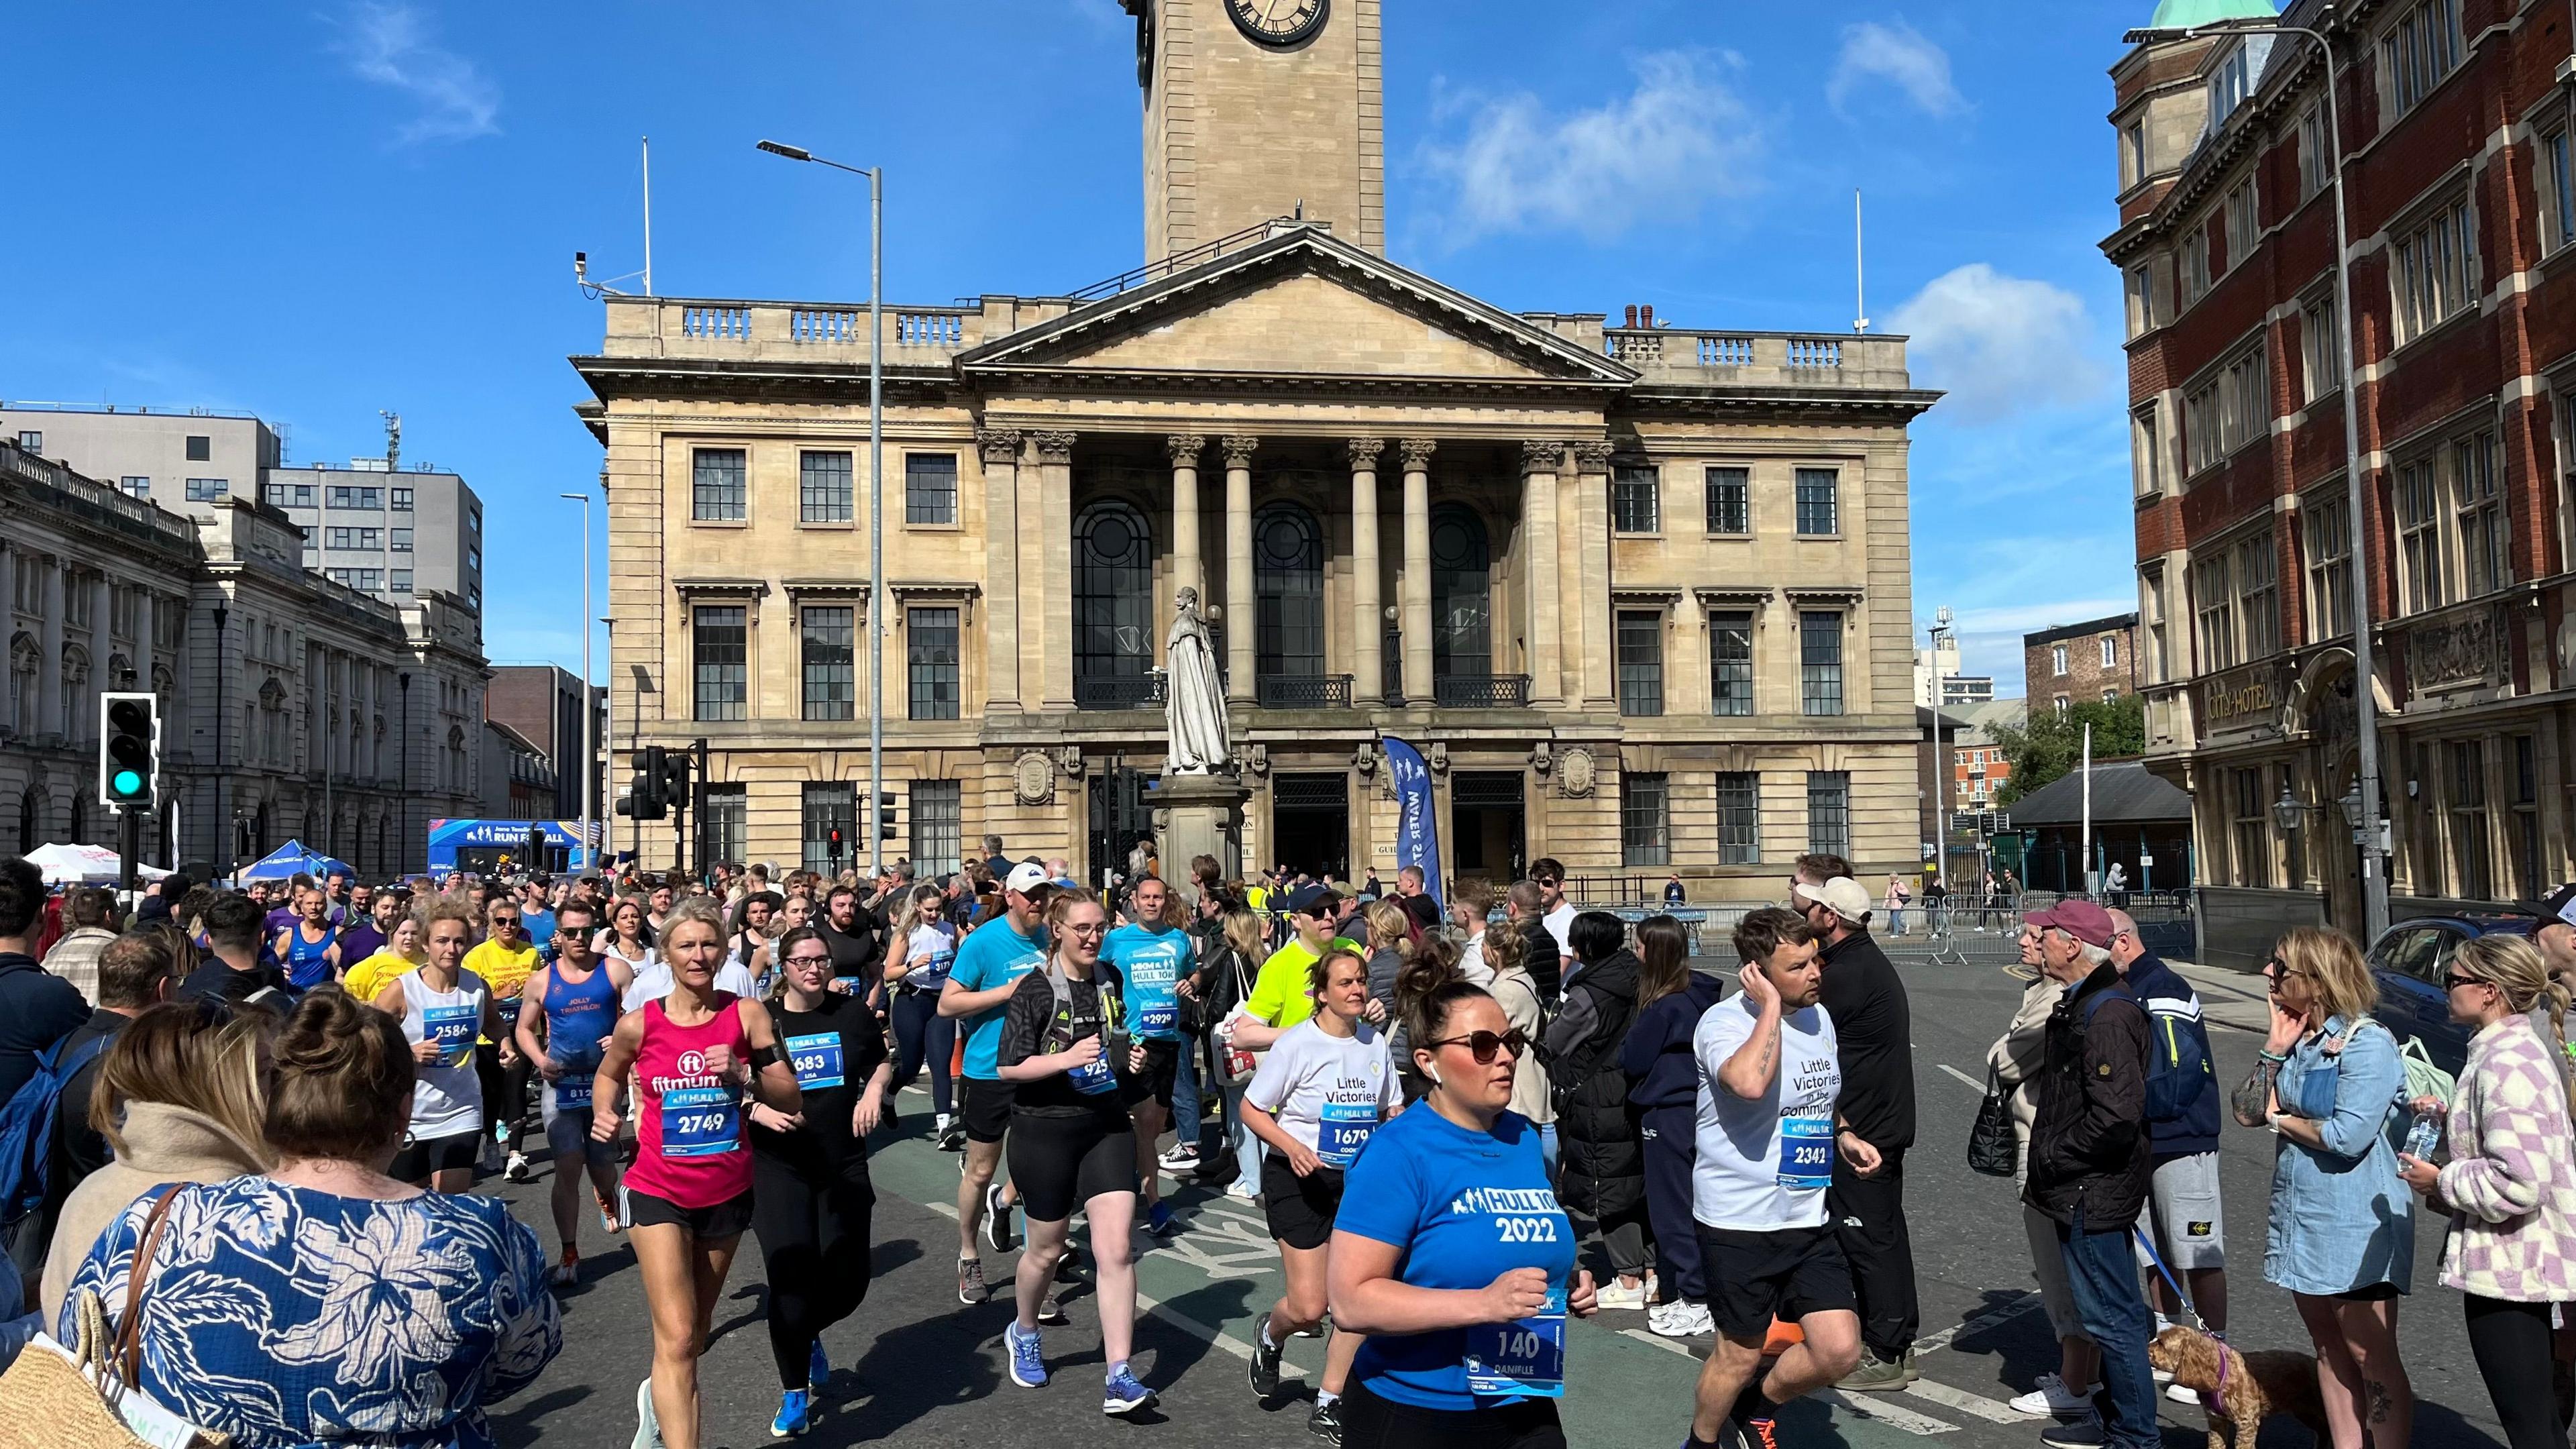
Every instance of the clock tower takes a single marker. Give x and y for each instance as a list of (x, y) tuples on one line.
[(1253, 107)]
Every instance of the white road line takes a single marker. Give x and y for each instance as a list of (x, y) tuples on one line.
[(2001, 1313), (1666, 1344), (1993, 1411), (1863, 1406), (1973, 1084)]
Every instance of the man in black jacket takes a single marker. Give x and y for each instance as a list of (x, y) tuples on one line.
[(1527, 905), (2091, 1160), (1601, 1160)]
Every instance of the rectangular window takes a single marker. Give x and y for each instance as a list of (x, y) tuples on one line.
[(200, 448), (402, 581), (823, 488), (1819, 515), (1730, 662), (824, 642), (2417, 52), (2142, 298), (402, 500), (2433, 272), (2195, 261), (2110, 651), (1645, 819), (2525, 820), (728, 817), (2200, 436), (1820, 661), (1829, 812), (1636, 501), (32, 442), (2315, 166), (2257, 596), (2249, 827), (2146, 451), (2245, 413), (2133, 153), (2470, 870), (370, 499), (135, 485), (930, 488), (831, 826), (2057, 661), (722, 645), (402, 540), (716, 485), (930, 650), (2151, 614), (208, 490), (1641, 662), (2419, 536), (2484, 530), (2557, 189), (2243, 229), (2214, 601), (1730, 500), (1739, 818), (2327, 528), (287, 495), (2320, 349), (473, 559), (938, 825), (371, 580)]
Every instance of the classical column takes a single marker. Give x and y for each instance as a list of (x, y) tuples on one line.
[(102, 643), (1592, 541), (1000, 448), (49, 664), (1186, 570), (1415, 603), (1055, 576), (1240, 660), (144, 639), (1539, 459), (8, 593), (1368, 665)]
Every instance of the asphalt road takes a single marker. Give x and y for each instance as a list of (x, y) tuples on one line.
[(913, 1367)]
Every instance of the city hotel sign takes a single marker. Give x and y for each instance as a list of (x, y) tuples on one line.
[(2241, 699)]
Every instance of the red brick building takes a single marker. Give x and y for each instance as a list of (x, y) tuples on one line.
[(2459, 166), (2068, 664)]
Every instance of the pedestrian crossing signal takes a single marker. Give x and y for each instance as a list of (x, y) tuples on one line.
[(129, 749)]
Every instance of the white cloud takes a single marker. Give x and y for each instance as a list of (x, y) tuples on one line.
[(1899, 55), (1999, 344), (390, 45), (1681, 138)]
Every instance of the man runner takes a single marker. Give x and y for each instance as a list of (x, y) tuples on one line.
[(576, 1001)]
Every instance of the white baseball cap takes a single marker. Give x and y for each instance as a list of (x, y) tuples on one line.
[(1842, 895), (1027, 876)]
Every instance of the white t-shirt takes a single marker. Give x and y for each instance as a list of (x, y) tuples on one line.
[(653, 981), (1560, 924), (1737, 1180), (446, 1096), (1471, 963), (1327, 1092)]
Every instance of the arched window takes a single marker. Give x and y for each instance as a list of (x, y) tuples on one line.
[(79, 832), (31, 820), (1113, 598), (1288, 588), (24, 659), (1462, 594)]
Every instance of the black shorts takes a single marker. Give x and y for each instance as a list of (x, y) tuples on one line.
[(1162, 1060), (727, 1219), (1371, 1422), (1300, 1209), (1788, 1274), (421, 1157), (985, 1107), (1061, 1162)]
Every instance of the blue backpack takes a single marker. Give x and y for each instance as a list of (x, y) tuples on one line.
[(27, 1125)]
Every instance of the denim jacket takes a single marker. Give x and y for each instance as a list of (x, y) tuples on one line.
[(2342, 1220)]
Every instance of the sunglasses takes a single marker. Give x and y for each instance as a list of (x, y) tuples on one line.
[(2454, 981), (2279, 970), (1485, 1044)]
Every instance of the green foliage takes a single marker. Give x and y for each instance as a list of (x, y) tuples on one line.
[(2050, 745)]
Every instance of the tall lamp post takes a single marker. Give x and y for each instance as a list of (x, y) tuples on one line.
[(1941, 771), (2370, 829), (223, 706), (876, 483), (589, 712)]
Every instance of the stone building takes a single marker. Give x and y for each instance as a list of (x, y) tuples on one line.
[(1639, 593), (2070, 663)]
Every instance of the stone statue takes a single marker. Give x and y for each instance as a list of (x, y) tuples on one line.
[(1194, 702)]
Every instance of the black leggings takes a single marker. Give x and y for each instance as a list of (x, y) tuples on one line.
[(1370, 1422), (815, 1240), (922, 1035), (2511, 1344)]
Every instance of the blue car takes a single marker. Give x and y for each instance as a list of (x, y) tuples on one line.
[(2409, 962)]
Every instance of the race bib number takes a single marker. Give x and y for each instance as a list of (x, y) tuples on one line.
[(1094, 1077), (454, 1029), (507, 1008), (1343, 1130), (817, 1059), (1157, 1018), (700, 1122), (1806, 1153), (1521, 1359), (572, 1092)]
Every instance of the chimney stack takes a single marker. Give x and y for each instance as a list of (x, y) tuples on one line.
[(1632, 315), (1646, 315)]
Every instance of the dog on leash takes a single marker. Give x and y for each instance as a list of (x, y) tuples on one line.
[(2241, 1390)]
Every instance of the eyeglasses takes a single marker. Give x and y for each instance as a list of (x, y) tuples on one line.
[(810, 958), (1484, 1044), (1085, 928)]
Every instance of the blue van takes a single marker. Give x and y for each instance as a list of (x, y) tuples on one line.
[(2409, 961)]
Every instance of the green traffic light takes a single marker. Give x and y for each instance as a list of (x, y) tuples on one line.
[(127, 782)]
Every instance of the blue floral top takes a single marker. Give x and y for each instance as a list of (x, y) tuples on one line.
[(287, 1317), (2342, 1219)]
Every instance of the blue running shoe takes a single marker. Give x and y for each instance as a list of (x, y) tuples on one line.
[(1159, 1223), (818, 1368), (1028, 1366), (793, 1416), (1124, 1395)]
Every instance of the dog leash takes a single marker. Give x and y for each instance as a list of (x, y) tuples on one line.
[(2148, 1242)]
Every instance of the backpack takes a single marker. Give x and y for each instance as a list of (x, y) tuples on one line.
[(2178, 1070), (27, 1124)]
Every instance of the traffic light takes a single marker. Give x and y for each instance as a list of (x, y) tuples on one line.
[(536, 846), (885, 815), (644, 798), (675, 779), (832, 846), (129, 749)]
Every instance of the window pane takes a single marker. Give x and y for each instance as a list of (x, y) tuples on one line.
[(1641, 663), (830, 806), (1739, 819), (721, 651), (930, 488), (931, 647), (823, 487), (1817, 507), (1820, 662), (716, 484), (728, 811), (1829, 812), (830, 682), (938, 819), (1635, 505), (1730, 494), (1645, 820), (1730, 662)]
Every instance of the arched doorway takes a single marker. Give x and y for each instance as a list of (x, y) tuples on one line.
[(78, 833), (1288, 594), (1113, 607), (31, 820), (1462, 595)]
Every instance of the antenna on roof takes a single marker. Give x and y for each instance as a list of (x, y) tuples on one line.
[(393, 440), (648, 216), (1860, 308)]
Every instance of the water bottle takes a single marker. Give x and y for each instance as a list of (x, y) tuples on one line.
[(2425, 1135)]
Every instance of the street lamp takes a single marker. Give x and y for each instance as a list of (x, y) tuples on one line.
[(589, 712), (876, 482), (2287, 810), (223, 817), (2369, 834)]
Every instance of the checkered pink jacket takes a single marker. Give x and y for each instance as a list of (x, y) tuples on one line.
[(2511, 1181)]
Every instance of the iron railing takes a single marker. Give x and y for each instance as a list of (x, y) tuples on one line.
[(1303, 691), (1481, 691), (1118, 691)]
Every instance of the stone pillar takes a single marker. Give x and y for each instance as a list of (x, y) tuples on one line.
[(145, 641), (1055, 556), (1000, 450), (1240, 614), (102, 644), (1187, 573), (1591, 528), (1414, 605), (8, 594), (1539, 459), (49, 663), (1368, 665)]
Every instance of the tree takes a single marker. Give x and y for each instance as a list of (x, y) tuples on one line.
[(2048, 745)]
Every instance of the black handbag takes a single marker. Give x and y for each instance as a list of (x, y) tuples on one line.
[(1992, 1147)]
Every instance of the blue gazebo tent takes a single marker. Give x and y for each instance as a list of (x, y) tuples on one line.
[(292, 859)]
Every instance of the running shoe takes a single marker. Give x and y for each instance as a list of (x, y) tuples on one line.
[(648, 1427), (2083, 1433), (1265, 1360), (1680, 1318), (568, 1272), (971, 1288), (608, 1219), (952, 1136), (1614, 1294), (2052, 1399), (1750, 1434), (1880, 1375), (1159, 1223), (491, 1160), (1051, 1309), (1028, 1366), (1241, 1191), (794, 1416), (518, 1171), (1067, 1267), (1325, 1423), (1124, 1395), (997, 1219), (818, 1368), (1183, 1158)]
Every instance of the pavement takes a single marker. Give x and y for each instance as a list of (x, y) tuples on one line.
[(913, 1367)]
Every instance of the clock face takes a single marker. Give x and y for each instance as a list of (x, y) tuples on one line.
[(1277, 22)]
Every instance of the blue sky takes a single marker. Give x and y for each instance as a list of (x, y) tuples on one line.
[(314, 211)]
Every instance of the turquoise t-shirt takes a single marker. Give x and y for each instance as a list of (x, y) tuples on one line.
[(1153, 960), (994, 955)]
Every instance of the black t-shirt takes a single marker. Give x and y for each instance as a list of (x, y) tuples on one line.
[(1873, 1028), (1033, 1026), (825, 1146), (1424, 910), (855, 952), (220, 982)]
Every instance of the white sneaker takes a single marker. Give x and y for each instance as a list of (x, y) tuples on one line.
[(1680, 1318), (2052, 1401), (648, 1429), (1241, 1191), (517, 1171), (1612, 1295), (1182, 1158)]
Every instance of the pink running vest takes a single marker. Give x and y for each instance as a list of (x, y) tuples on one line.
[(691, 1150)]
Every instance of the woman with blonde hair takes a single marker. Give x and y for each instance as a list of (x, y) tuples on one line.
[(1390, 945), (2342, 1232), (2510, 1186)]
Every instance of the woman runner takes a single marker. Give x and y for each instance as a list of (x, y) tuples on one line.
[(625, 937), (919, 953), (443, 1007), (811, 1201), (694, 1053)]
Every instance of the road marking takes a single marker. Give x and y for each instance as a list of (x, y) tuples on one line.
[(1863, 1406), (1993, 1411), (1999, 1314), (1973, 1084), (1666, 1344)]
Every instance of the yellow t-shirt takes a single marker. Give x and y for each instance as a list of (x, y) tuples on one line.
[(506, 972), (371, 976), (1279, 994)]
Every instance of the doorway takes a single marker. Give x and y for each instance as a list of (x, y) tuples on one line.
[(1310, 823), (1487, 815)]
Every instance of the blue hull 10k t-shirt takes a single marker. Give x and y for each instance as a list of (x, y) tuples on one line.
[(1153, 962), (994, 955)]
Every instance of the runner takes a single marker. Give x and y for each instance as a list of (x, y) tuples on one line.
[(811, 1203), (402, 953), (1065, 1049), (1323, 1090), (695, 1053), (990, 963), (505, 961), (1451, 1254), (919, 953), (1152, 953), (624, 937), (749, 945), (1768, 1134), (309, 947), (576, 1000), (443, 1006)]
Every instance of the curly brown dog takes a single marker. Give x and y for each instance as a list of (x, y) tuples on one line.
[(2250, 1388)]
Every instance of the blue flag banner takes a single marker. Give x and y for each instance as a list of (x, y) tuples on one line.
[(1417, 830)]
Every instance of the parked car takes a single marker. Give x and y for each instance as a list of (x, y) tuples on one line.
[(2411, 958)]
